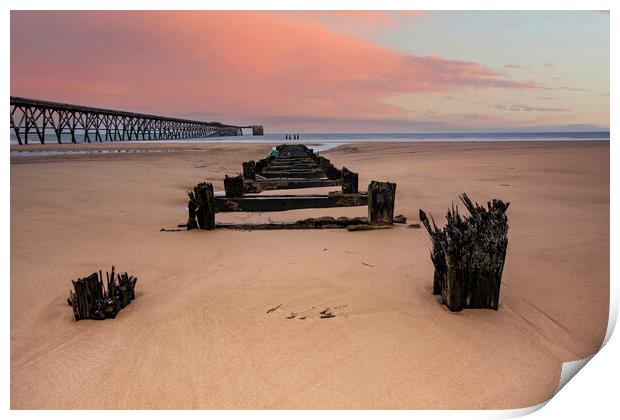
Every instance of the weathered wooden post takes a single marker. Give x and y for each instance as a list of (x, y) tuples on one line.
[(381, 197), (249, 170), (323, 162), (201, 207), (349, 181), (469, 254), (233, 185), (331, 172)]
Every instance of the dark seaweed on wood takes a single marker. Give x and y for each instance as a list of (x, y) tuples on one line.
[(201, 207), (94, 299), (469, 254)]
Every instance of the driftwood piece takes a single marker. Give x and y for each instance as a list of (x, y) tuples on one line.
[(201, 207), (92, 298), (233, 185), (469, 254), (249, 170), (349, 181), (381, 197)]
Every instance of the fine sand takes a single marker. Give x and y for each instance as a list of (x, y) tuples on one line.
[(199, 334)]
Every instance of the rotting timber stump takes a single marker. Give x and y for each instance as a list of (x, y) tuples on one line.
[(249, 170), (201, 207), (469, 254), (91, 298), (233, 185), (349, 181), (381, 196)]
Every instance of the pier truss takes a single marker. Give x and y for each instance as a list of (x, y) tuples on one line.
[(75, 123)]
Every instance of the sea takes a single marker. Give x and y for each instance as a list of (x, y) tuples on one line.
[(324, 141)]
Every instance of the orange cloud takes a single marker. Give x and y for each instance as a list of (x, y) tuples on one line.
[(233, 66)]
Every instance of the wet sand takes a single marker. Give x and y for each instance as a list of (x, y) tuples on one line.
[(200, 334)]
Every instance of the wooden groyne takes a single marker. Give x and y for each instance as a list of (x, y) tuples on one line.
[(290, 167), (469, 254)]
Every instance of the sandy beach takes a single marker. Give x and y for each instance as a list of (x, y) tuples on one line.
[(200, 334)]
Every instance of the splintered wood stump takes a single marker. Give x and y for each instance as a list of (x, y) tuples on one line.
[(233, 185), (349, 181), (469, 254), (91, 298), (201, 207), (249, 170), (381, 197)]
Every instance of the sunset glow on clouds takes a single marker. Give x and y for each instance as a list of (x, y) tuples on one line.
[(315, 71)]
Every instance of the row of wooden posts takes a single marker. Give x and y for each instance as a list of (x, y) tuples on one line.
[(289, 167), (468, 253)]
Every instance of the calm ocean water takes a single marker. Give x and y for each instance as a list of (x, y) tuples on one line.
[(426, 137), (324, 141)]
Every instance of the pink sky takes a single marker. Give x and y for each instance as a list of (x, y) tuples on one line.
[(286, 70)]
